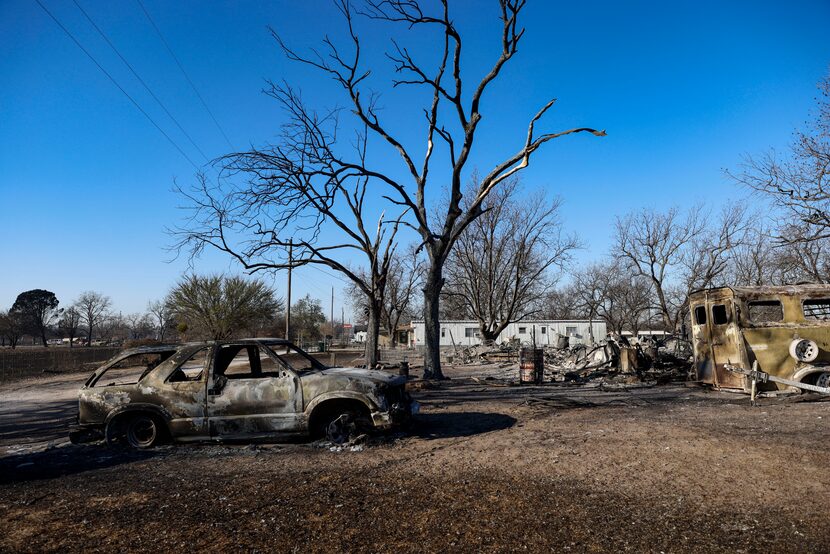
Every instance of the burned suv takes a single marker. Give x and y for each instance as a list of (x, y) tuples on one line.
[(243, 389)]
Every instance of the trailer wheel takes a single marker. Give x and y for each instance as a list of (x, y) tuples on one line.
[(804, 350)]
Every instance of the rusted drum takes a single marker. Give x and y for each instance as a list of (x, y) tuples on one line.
[(531, 366), (403, 369)]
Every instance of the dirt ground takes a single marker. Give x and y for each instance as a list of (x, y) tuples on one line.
[(488, 467)]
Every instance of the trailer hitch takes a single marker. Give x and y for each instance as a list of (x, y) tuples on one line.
[(757, 376)]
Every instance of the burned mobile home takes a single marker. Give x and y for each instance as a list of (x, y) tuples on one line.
[(783, 331), (243, 389)]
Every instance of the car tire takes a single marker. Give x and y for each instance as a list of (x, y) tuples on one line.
[(342, 425), (823, 379), (142, 431)]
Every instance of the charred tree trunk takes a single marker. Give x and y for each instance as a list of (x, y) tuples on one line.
[(488, 336), (372, 335), (591, 328), (432, 323)]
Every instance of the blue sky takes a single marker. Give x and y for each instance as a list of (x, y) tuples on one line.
[(683, 89)]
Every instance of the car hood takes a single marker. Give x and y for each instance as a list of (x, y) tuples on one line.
[(379, 377)]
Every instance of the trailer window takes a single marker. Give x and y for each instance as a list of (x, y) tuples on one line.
[(765, 311), (700, 315), (719, 315), (817, 308)]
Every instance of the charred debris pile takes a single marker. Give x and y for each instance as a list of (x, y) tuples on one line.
[(614, 359)]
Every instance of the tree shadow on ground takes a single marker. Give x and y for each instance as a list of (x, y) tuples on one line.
[(555, 395), (67, 460), (459, 424)]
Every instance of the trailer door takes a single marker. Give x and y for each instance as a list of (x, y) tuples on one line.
[(700, 343), (725, 341)]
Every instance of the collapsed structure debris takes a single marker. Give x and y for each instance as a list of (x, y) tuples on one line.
[(641, 359), (644, 359)]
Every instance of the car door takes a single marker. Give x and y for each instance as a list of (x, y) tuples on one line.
[(184, 394), (251, 394)]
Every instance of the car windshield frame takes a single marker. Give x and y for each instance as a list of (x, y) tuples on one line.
[(316, 364)]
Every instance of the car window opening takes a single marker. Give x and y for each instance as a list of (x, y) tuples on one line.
[(192, 368), (131, 369), (294, 358)]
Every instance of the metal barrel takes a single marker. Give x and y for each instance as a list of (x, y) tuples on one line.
[(531, 365)]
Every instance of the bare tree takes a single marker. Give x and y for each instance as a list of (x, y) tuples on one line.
[(590, 287), (139, 325), (93, 308), (755, 262), (451, 120), (500, 267), (654, 244), (619, 297), (161, 317), (705, 260), (405, 273), (565, 303), (401, 285), (763, 259), (70, 323), (801, 259), (799, 181), (296, 193), (11, 327), (112, 327)]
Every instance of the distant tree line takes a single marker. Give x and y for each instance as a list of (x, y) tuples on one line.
[(209, 307)]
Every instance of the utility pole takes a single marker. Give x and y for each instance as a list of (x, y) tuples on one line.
[(288, 302), (342, 322), (332, 315)]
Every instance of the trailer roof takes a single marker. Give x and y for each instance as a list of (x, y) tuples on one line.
[(770, 289)]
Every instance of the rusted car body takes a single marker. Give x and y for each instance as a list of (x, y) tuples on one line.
[(243, 389), (784, 329)]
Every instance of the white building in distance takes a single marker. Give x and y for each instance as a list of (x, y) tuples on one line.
[(542, 332)]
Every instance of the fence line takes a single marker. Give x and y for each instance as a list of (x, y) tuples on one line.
[(24, 362)]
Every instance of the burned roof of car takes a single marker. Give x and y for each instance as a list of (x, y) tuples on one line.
[(770, 290), (165, 347)]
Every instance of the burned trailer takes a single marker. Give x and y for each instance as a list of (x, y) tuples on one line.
[(783, 331)]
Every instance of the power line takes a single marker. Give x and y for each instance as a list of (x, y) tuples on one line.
[(137, 76), (111, 78), (332, 275), (186, 76)]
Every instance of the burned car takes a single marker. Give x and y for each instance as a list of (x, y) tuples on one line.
[(781, 331), (242, 389)]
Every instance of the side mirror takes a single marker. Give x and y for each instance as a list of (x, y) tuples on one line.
[(219, 383)]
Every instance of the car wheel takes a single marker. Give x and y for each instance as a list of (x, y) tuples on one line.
[(142, 431), (342, 426), (823, 379)]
